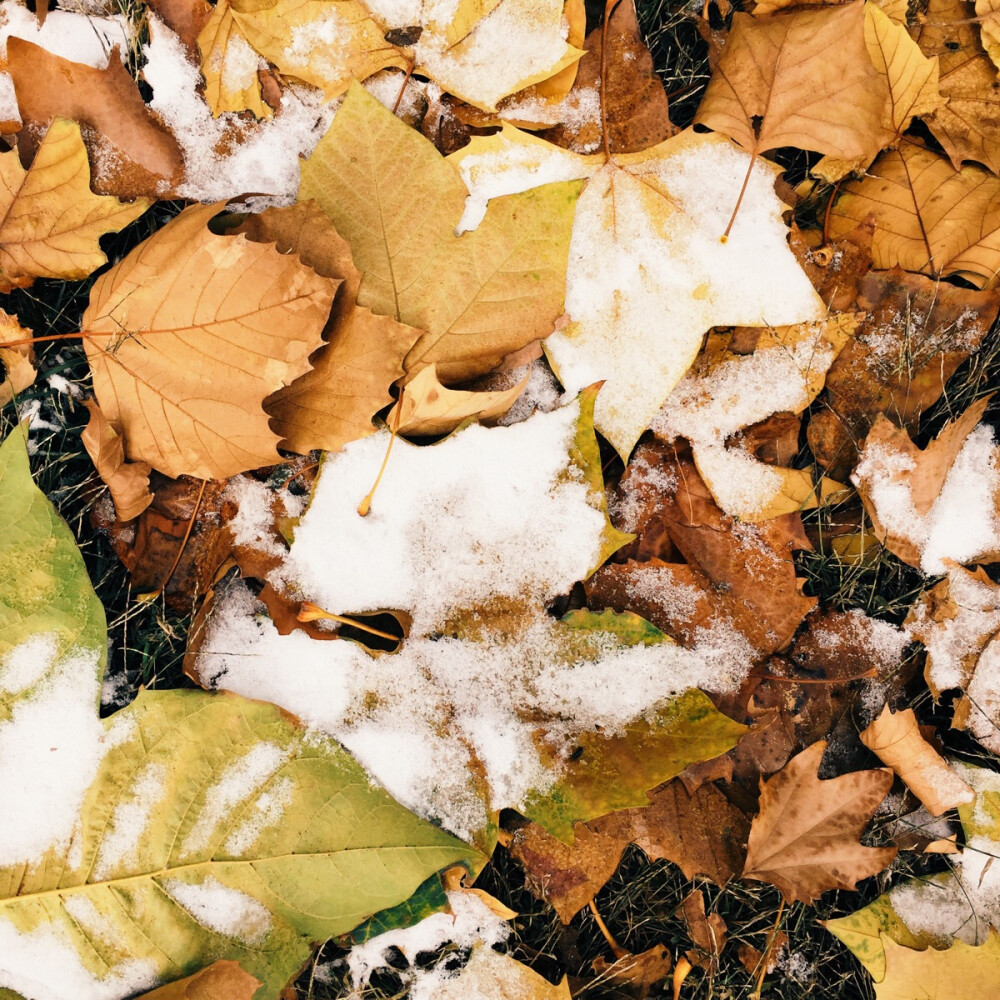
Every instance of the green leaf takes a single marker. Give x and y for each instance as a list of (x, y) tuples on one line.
[(627, 627), (397, 201), (429, 898)]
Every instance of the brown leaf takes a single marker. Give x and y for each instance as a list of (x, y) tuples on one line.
[(894, 737), (928, 216), (707, 932), (914, 337), (892, 468), (133, 154), (804, 840), (836, 268), (18, 361), (779, 69), (187, 381), (701, 832), (185, 18), (223, 980), (640, 975), (968, 125), (127, 481), (635, 104)]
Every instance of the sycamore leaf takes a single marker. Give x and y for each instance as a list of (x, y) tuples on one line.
[(230, 65), (127, 481), (865, 931), (397, 201), (184, 373), (223, 980), (645, 278), (321, 43), (929, 216), (18, 361), (133, 153), (805, 839), (349, 377), (968, 125), (429, 408), (960, 972), (779, 70), (894, 737), (51, 222), (936, 505)]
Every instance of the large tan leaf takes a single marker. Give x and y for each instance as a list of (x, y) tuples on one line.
[(134, 154), (128, 482), (805, 839), (968, 125), (780, 70), (229, 65), (480, 296), (197, 330), (51, 221), (928, 215), (349, 378)]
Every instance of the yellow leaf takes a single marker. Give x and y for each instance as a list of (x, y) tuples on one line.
[(229, 66), (323, 43), (198, 330), (988, 13), (127, 481), (17, 360), (480, 296), (429, 408), (929, 216), (961, 972), (779, 69), (894, 737), (51, 221)]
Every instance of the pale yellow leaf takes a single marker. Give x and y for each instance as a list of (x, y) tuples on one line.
[(988, 13), (499, 977), (229, 66), (51, 221), (199, 329), (960, 972)]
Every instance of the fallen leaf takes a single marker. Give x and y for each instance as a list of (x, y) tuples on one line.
[(929, 216), (429, 408), (894, 737), (919, 500), (960, 972), (835, 267), (185, 18), (968, 124), (707, 932), (223, 980), (18, 361), (132, 152), (499, 977), (639, 974), (51, 221), (480, 296), (804, 841), (185, 375), (127, 481), (778, 70), (230, 65), (349, 377)]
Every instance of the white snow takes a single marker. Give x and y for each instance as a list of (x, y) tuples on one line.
[(962, 524), (94, 924), (267, 811), (123, 837), (742, 485), (221, 909)]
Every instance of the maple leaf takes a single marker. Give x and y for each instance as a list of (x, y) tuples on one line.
[(960, 972), (894, 737), (51, 222), (397, 201), (184, 375), (128, 482), (638, 304), (920, 502), (968, 125), (229, 65), (804, 840), (349, 377), (135, 154), (223, 980), (929, 216), (778, 70)]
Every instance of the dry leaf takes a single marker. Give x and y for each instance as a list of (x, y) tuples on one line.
[(185, 18), (127, 481), (934, 505), (428, 408), (51, 221), (222, 980), (805, 839), (499, 977), (836, 267), (968, 125), (18, 361), (960, 972), (480, 296), (349, 378), (778, 70), (184, 374), (132, 151), (928, 216), (639, 975), (707, 932), (894, 737), (229, 65), (989, 28)]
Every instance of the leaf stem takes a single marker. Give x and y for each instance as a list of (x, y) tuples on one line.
[(739, 200), (366, 504), (184, 541), (310, 612)]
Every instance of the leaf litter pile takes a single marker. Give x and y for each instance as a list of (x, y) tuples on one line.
[(532, 501)]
